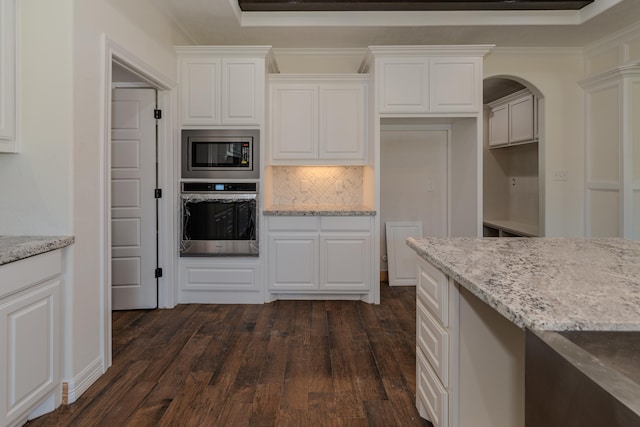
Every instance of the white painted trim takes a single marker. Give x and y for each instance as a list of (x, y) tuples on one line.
[(594, 9), (114, 53), (613, 39), (81, 382)]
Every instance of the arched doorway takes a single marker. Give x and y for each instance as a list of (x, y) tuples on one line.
[(513, 165)]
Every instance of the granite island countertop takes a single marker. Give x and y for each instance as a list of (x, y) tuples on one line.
[(318, 210), (558, 284), (15, 248)]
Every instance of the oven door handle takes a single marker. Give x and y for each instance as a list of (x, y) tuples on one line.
[(209, 197)]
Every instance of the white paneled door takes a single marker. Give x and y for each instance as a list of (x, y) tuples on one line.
[(133, 205)]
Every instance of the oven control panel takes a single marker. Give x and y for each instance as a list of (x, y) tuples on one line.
[(208, 187)]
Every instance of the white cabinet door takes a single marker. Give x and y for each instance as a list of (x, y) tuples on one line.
[(200, 91), (319, 255), (29, 349), (455, 85), (293, 261), (404, 85), (294, 122), (242, 83), (513, 120), (499, 125), (215, 90), (521, 120), (342, 126), (318, 122), (345, 261)]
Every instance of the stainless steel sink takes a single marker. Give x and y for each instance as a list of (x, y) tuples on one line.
[(582, 378)]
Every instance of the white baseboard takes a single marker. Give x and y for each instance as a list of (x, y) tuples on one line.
[(81, 382)]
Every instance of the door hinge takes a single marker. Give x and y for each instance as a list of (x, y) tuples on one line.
[(158, 272), (157, 193), (157, 114)]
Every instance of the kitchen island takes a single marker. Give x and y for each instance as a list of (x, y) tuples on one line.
[(478, 298)]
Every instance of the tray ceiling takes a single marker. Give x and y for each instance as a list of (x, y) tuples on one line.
[(431, 5)]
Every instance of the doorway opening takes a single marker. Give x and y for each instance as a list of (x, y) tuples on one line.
[(128, 74), (513, 158)]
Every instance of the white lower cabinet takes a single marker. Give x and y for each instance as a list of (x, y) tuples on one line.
[(220, 280), (318, 255), (469, 359), (30, 337)]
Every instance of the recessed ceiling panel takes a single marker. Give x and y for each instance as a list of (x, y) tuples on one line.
[(372, 5)]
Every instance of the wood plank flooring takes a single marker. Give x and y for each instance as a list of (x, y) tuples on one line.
[(287, 363)]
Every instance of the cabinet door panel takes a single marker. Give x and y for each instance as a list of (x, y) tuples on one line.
[(521, 120), (342, 120), (200, 93), (29, 339), (241, 89), (433, 340), (293, 261), (433, 290), (404, 85), (430, 393), (454, 84), (345, 261), (294, 122), (499, 126)]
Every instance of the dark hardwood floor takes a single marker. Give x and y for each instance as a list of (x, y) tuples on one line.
[(287, 363)]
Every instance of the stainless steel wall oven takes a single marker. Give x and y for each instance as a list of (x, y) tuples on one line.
[(219, 219)]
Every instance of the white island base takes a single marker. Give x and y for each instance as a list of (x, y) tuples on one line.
[(470, 360)]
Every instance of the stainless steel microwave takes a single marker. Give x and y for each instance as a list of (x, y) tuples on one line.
[(220, 153)]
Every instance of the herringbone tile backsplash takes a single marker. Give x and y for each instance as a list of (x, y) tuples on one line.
[(317, 185)]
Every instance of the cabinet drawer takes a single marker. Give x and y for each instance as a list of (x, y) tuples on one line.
[(433, 290), (18, 275), (351, 223), (293, 223), (433, 340), (430, 393)]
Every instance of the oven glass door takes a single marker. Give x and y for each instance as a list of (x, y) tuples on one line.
[(219, 225)]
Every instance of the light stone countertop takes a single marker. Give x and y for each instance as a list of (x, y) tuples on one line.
[(318, 210), (15, 248), (556, 284)]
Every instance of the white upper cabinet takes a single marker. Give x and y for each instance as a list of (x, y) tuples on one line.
[(8, 143), (522, 127), (513, 120), (318, 119), (427, 80), (222, 85), (294, 121), (200, 91), (404, 85), (455, 85), (499, 125)]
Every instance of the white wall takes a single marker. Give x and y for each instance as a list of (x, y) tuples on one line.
[(556, 74), (35, 184), (145, 32), (319, 61), (54, 185)]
